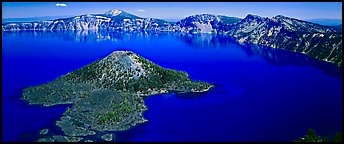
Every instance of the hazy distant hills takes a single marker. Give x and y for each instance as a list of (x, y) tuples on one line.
[(319, 41), (326, 21), (31, 19)]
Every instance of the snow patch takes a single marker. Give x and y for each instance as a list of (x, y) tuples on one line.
[(270, 32), (103, 18), (114, 12), (205, 28)]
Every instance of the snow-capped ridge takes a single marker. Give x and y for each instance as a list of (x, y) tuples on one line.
[(114, 12)]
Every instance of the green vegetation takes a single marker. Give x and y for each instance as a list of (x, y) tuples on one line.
[(110, 116), (116, 112), (84, 74), (311, 136)]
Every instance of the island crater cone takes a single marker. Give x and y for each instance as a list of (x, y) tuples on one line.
[(107, 94)]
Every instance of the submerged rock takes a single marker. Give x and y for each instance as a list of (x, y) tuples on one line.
[(49, 139), (43, 131), (107, 137), (60, 138)]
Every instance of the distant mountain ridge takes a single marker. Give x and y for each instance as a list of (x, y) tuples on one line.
[(31, 19), (325, 21), (318, 41)]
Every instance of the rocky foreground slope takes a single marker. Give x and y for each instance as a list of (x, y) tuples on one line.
[(107, 95)]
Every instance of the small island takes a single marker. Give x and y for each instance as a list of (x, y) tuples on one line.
[(107, 95)]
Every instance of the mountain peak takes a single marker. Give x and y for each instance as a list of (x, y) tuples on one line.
[(253, 16), (114, 12), (281, 17), (121, 53)]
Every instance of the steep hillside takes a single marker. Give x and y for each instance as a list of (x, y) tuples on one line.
[(321, 42)]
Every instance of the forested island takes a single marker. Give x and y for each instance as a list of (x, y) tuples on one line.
[(107, 95)]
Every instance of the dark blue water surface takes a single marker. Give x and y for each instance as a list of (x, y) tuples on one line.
[(260, 94)]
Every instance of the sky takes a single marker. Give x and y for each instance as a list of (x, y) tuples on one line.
[(175, 10)]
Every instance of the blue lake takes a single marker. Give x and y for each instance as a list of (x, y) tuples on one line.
[(260, 94)]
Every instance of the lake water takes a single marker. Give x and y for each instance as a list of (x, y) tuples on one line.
[(260, 94)]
